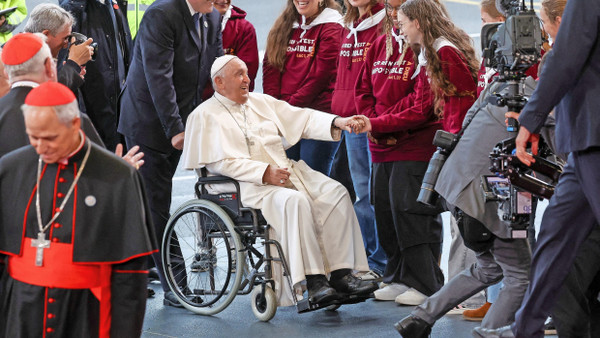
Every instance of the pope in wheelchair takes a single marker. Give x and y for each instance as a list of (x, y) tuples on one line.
[(244, 135)]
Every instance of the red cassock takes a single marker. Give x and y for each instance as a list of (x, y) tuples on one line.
[(92, 282)]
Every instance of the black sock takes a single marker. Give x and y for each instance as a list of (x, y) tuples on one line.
[(338, 274)]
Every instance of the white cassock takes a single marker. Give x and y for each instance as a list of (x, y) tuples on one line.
[(313, 217)]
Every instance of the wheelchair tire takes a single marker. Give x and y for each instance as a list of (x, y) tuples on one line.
[(263, 306), (198, 249)]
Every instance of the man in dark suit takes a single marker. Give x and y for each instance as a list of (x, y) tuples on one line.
[(175, 47), (570, 81)]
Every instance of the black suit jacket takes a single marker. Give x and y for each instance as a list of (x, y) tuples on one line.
[(169, 70), (570, 81), (12, 123)]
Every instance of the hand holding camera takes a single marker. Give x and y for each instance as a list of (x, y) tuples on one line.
[(82, 49)]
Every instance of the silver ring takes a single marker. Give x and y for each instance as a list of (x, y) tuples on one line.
[(281, 181)]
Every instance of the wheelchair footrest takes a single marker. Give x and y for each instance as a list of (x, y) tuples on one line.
[(305, 305)]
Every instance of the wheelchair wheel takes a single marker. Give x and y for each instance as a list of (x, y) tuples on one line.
[(264, 305), (202, 258)]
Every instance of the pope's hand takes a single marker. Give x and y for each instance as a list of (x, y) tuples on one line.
[(276, 176), (361, 124)]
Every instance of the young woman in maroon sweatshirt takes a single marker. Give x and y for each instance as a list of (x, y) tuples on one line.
[(363, 23), (402, 127), (300, 67)]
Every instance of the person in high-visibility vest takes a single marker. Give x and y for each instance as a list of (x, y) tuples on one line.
[(135, 12), (10, 22)]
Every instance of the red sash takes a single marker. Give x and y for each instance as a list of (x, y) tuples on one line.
[(59, 271)]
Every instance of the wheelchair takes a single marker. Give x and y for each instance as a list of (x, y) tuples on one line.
[(213, 249)]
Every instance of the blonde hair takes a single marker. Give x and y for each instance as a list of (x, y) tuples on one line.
[(280, 33), (434, 23)]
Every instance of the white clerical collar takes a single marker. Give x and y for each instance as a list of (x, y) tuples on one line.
[(65, 160), (226, 17), (192, 10), (328, 15), (24, 84), (229, 102)]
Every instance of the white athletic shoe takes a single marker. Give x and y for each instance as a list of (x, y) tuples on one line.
[(390, 291), (411, 297)]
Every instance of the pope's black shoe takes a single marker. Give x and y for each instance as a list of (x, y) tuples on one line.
[(413, 327), (319, 290), (171, 300), (352, 285)]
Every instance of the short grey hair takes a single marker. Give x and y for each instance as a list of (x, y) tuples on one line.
[(48, 16), (221, 74), (66, 113), (32, 66)]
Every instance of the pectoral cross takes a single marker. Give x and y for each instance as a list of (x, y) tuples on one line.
[(40, 243)]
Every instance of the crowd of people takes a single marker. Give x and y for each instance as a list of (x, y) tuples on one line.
[(353, 88)]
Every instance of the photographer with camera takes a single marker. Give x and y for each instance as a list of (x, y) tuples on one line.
[(55, 23), (574, 210), (498, 255)]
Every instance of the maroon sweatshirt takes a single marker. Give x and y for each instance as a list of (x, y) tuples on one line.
[(239, 38), (382, 89), (309, 73), (351, 58)]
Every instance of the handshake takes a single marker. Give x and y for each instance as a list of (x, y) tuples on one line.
[(354, 124)]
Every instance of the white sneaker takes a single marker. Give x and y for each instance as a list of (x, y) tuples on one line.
[(390, 291), (411, 297)]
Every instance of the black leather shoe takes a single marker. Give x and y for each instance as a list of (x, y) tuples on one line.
[(352, 285), (319, 290), (151, 293), (413, 327), (171, 300)]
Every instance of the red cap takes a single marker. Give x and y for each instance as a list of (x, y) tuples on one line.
[(21, 48), (50, 94)]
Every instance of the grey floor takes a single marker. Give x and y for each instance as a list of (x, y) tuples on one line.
[(369, 319)]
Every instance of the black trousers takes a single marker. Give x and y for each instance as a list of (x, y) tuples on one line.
[(573, 212), (576, 313), (410, 233), (158, 171)]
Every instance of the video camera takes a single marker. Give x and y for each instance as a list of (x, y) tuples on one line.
[(511, 48), (79, 39), (514, 183)]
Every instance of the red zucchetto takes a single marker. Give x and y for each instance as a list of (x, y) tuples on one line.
[(21, 48), (49, 94)]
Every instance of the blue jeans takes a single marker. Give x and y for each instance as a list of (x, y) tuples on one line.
[(317, 154), (359, 161)]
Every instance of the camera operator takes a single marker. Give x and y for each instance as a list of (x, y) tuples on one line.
[(55, 23), (497, 254), (574, 209)]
